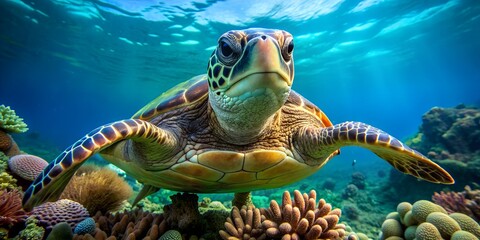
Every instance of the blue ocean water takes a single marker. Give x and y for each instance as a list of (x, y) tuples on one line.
[(68, 66)]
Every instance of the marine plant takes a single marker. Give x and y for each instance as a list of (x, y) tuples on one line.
[(98, 190)]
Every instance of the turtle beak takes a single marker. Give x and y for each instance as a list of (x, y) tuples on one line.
[(261, 66)]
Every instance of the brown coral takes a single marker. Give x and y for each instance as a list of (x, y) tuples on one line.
[(243, 224), (136, 224), (300, 219), (8, 145), (467, 202), (98, 190), (183, 213), (11, 210)]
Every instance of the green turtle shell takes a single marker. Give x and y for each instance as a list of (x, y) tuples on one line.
[(181, 95)]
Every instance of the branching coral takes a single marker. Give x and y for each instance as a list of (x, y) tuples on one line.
[(7, 181), (244, 224), (98, 190), (11, 210), (297, 218), (300, 219), (135, 224), (10, 122), (467, 202)]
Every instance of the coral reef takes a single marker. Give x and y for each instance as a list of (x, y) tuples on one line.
[(25, 168), (62, 231), (183, 213), (3, 161), (10, 123), (12, 216), (97, 190), (244, 224), (64, 210), (11, 211), (171, 235), (449, 133), (7, 181), (425, 220), (350, 191), (450, 137), (87, 226), (32, 231), (329, 184), (135, 224), (359, 180), (467, 202), (300, 218)]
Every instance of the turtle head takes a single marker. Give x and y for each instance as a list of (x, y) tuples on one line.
[(250, 74)]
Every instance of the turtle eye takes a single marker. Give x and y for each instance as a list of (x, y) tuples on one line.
[(228, 51), (287, 49)]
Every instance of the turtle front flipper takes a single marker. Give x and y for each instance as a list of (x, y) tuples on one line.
[(51, 182), (318, 145)]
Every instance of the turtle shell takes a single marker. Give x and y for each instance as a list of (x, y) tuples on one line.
[(196, 89), (181, 95)]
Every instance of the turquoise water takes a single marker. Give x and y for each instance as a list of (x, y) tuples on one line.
[(67, 67)]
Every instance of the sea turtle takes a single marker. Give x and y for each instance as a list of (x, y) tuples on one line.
[(237, 128)]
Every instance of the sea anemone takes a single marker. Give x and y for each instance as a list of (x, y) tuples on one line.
[(11, 210), (101, 190)]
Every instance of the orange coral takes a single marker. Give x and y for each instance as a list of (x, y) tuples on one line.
[(244, 224), (299, 219), (101, 190), (11, 210)]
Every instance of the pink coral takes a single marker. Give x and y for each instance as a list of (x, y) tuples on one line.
[(26, 166), (63, 210), (467, 202)]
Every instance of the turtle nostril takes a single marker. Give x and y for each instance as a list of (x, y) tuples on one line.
[(264, 37)]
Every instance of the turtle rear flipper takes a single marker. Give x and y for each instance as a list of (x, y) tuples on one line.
[(51, 182), (320, 143)]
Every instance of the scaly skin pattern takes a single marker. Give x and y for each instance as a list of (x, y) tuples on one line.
[(237, 128)]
